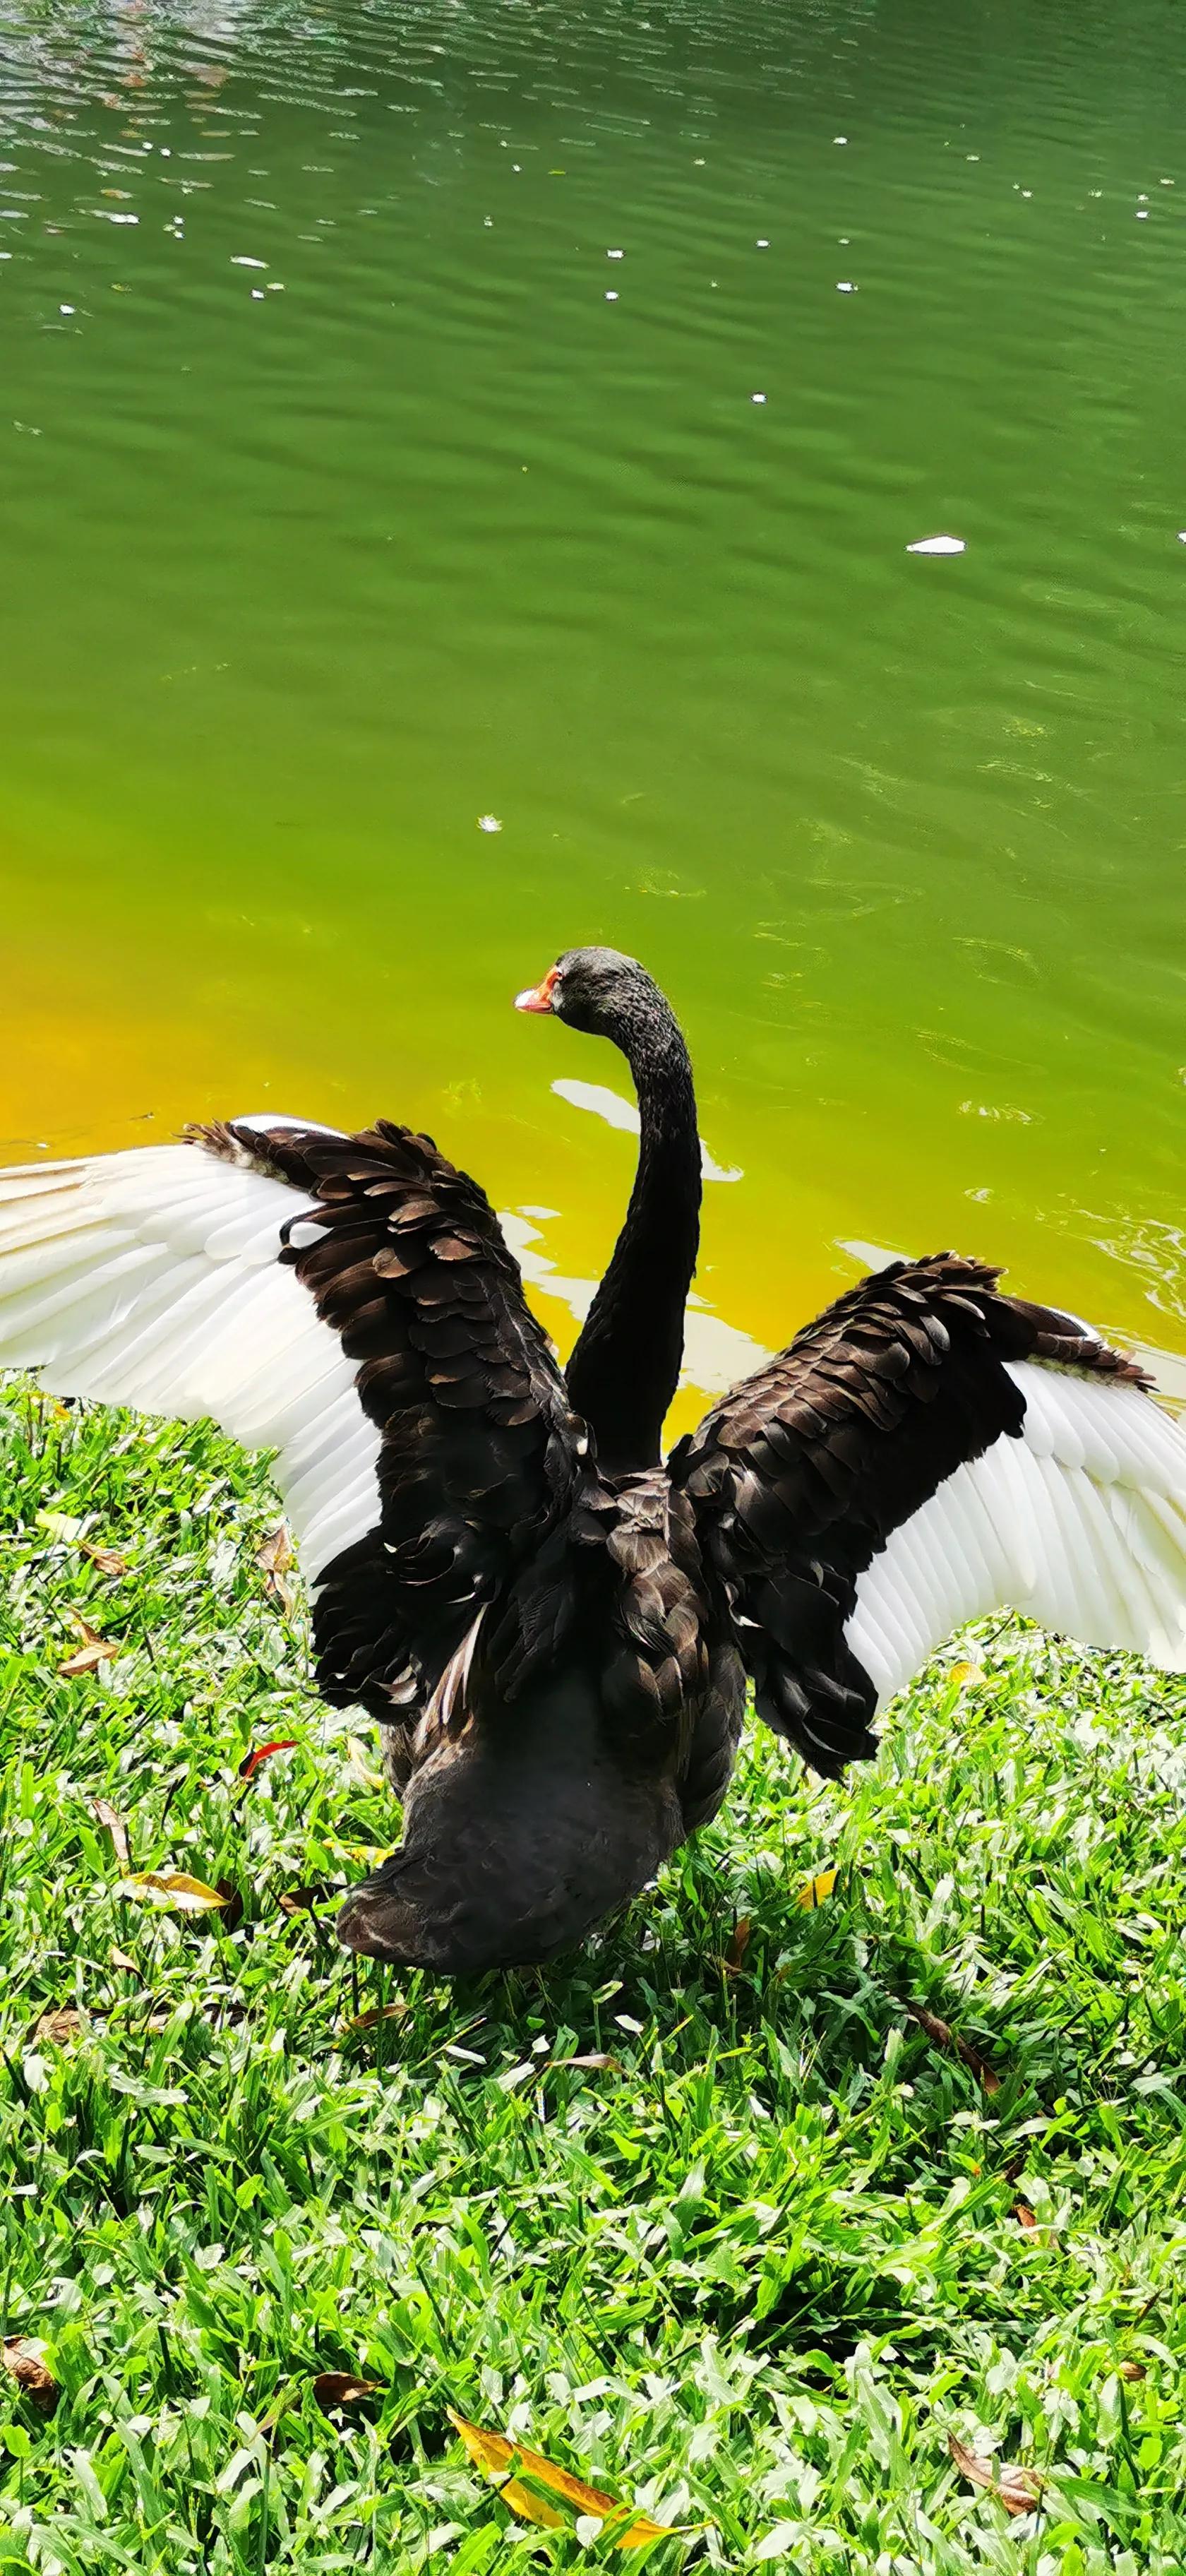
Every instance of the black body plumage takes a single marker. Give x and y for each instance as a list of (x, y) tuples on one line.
[(554, 1629)]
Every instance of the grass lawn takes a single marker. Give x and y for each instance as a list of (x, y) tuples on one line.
[(750, 2267)]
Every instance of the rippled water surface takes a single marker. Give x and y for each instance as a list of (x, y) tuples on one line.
[(413, 415)]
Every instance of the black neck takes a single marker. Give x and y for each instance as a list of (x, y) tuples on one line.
[(623, 1373)]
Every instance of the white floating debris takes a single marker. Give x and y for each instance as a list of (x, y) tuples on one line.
[(65, 308), (936, 546), (840, 138), (845, 286), (489, 823), (615, 254), (762, 245), (611, 295), (757, 397), (242, 261), (1182, 536), (1142, 214)]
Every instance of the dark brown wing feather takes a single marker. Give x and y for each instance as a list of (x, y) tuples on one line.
[(480, 1449), (800, 1475)]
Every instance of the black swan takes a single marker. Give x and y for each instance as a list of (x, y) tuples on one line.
[(554, 1628)]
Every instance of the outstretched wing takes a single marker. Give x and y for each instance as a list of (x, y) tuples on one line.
[(348, 1301), (926, 1452)]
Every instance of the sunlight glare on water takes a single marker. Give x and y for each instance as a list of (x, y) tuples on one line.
[(452, 514)]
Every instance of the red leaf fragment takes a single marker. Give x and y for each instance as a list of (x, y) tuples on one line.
[(263, 1753)]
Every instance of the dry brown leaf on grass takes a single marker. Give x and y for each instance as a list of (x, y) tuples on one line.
[(105, 1814), (61, 2023), (496, 2456), (1017, 2489), (738, 1946), (86, 1659), (120, 1959), (1133, 2370), (341, 2388), (24, 2361), (172, 1887), (1025, 2218), (106, 1560), (92, 1650), (302, 1900), (274, 1557), (378, 2012), (945, 2037), (68, 1532)]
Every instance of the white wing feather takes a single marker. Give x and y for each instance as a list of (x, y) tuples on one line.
[(1080, 1524), (151, 1278)]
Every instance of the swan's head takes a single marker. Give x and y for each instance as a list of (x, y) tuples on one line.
[(514, 1847), (598, 990)]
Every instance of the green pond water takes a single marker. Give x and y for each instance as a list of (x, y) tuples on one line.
[(415, 419)]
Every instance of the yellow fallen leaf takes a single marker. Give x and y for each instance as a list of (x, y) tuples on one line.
[(496, 2456), (172, 1887), (817, 1890), (371, 1855), (359, 1768), (969, 1676)]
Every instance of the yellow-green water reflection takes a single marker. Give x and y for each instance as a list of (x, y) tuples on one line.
[(355, 491)]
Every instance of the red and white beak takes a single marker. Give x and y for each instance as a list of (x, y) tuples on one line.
[(538, 997)]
